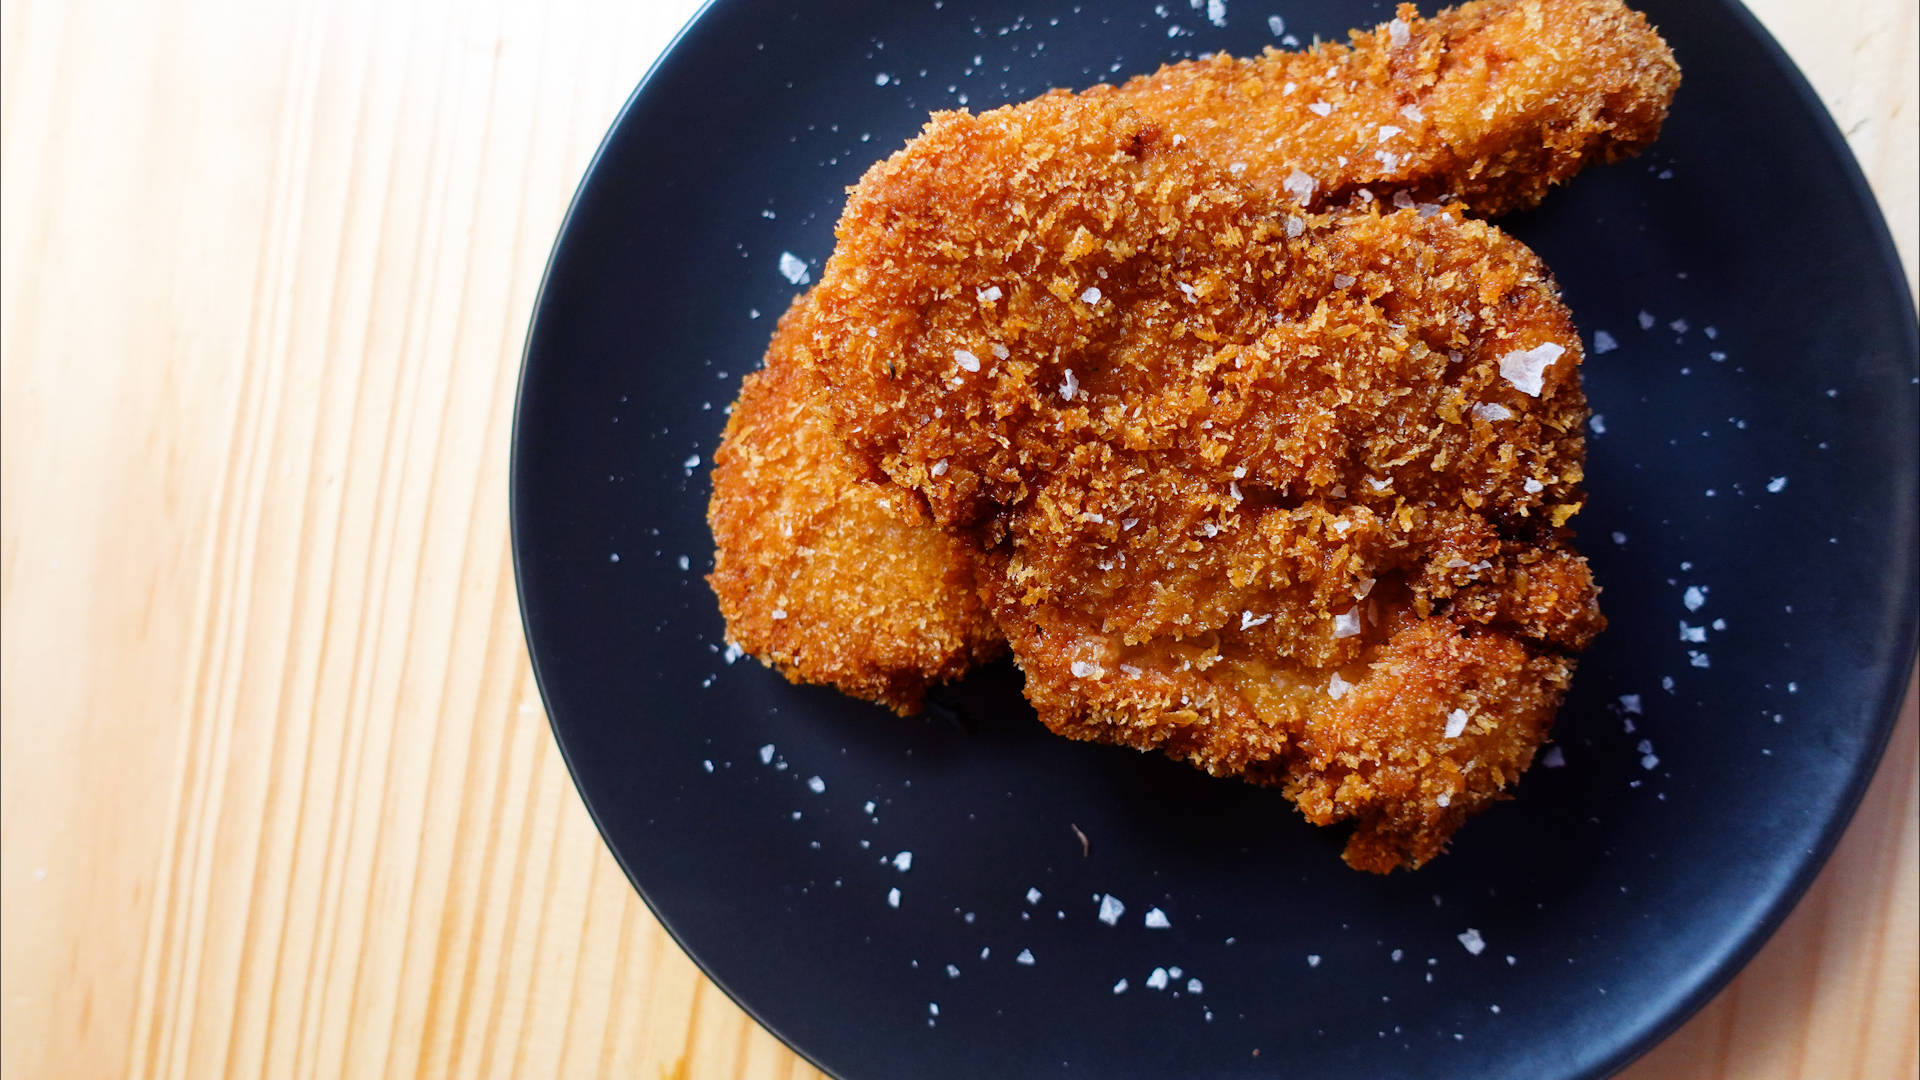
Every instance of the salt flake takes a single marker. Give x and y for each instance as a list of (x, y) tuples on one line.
[(1526, 369)]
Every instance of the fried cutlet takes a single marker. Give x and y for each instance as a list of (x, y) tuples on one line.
[(1489, 103), (825, 572), (1279, 493)]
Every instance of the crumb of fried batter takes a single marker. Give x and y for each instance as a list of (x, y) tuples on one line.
[(829, 575), (1491, 103), (1191, 431)]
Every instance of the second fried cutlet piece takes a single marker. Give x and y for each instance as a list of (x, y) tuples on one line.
[(1491, 103), (1192, 433), (825, 573)]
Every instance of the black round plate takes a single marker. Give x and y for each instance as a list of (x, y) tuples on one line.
[(1752, 477)]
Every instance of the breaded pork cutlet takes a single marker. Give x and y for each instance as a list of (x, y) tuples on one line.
[(825, 571), (1491, 104), (1278, 493), (1493, 101)]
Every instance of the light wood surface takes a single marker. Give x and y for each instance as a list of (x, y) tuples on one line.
[(278, 798)]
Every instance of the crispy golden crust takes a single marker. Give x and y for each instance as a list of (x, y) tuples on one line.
[(825, 573), (1492, 103), (1193, 432), (1510, 95)]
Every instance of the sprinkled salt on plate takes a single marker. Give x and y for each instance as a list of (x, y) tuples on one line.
[(1471, 941), (794, 269), (1156, 919)]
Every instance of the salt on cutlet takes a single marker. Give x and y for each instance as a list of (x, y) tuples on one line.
[(1492, 104), (1226, 463), (827, 574)]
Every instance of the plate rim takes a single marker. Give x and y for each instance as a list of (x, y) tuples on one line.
[(1631, 1045)]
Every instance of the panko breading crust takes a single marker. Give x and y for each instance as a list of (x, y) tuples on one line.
[(827, 573), (1489, 104), (1378, 611), (1193, 433)]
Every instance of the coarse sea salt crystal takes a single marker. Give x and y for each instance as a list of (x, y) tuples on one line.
[(1554, 758), (1033, 895), (1603, 342), (1313, 960), (1000, 352), (882, 79), (1597, 423), (1444, 799), (1630, 703), (1456, 723), (1069, 386), (1397, 33), (893, 898), (1248, 621), (1413, 113), (1337, 687), (766, 754), (1120, 987), (1025, 959), (953, 971), (939, 467), (794, 269), (1277, 25), (966, 360), (1156, 919), (1347, 623), (1646, 320), (1533, 487), (1694, 634), (1319, 108), (1526, 369), (1488, 410), (1091, 296), (1388, 131), (1157, 980), (1195, 986), (1342, 281), (1471, 940), (903, 862), (989, 294), (1649, 761), (1083, 669), (1694, 597), (732, 653), (1295, 226), (816, 785), (1777, 485), (1111, 909)]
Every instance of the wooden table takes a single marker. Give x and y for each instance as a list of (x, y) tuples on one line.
[(278, 797)]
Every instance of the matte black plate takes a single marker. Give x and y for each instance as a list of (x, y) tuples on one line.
[(1755, 443)]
